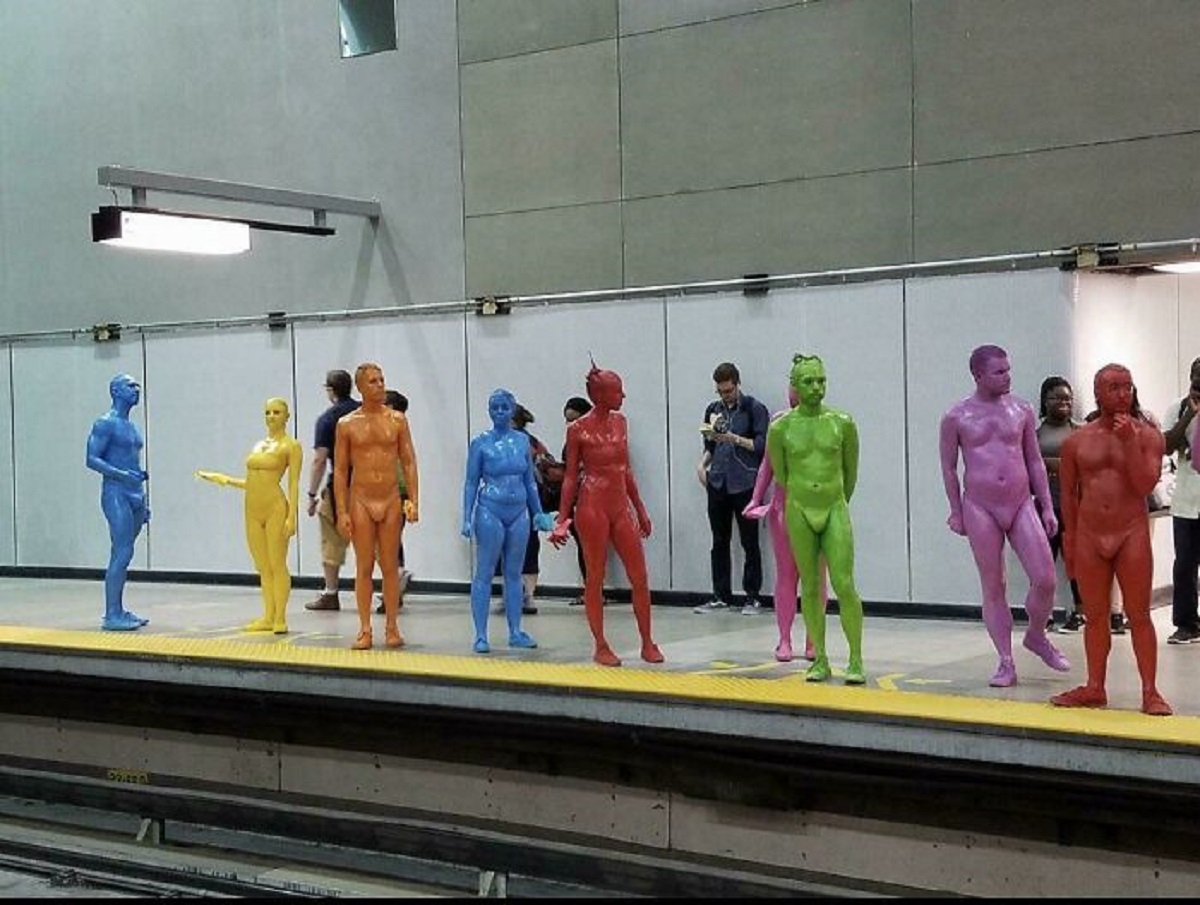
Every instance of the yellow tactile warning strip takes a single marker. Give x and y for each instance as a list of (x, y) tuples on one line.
[(632, 680)]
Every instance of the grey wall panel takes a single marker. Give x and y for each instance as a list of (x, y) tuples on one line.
[(1028, 314), (541, 130), (543, 357), (424, 358), (245, 92), (996, 78), (489, 29), (1129, 191), (553, 250), (802, 91), (787, 228), (8, 527), (847, 326), (205, 398), (648, 15), (63, 390)]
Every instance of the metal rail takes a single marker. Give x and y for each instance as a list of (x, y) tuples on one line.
[(1075, 257)]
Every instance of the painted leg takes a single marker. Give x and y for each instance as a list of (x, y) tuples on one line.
[(593, 532), (838, 547), (1029, 542), (987, 546), (786, 579)]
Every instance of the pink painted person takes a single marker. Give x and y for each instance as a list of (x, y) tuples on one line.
[(996, 435)]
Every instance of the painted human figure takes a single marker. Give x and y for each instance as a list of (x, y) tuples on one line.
[(270, 515), (370, 442), (114, 449), (499, 495), (600, 488), (813, 451), (787, 576), (996, 434), (1108, 467)]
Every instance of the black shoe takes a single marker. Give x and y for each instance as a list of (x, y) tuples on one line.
[(1074, 622), (1184, 636), (528, 609), (324, 602), (1117, 624)]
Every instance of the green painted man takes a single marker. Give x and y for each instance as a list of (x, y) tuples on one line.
[(814, 452)]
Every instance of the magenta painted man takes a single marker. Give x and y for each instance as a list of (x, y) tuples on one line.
[(996, 434)]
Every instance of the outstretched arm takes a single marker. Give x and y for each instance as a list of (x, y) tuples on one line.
[(222, 480), (948, 451)]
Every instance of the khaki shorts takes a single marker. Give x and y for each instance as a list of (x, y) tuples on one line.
[(333, 545)]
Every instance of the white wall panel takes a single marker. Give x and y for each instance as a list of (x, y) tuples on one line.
[(1188, 338), (541, 355), (422, 357), (1132, 321), (1030, 315), (204, 408), (8, 528), (63, 390), (758, 334)]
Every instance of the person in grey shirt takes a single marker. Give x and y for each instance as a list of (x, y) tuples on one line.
[(735, 438)]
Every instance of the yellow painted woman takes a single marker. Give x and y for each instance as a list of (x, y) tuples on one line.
[(270, 516)]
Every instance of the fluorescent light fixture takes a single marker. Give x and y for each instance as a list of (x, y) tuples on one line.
[(1179, 267), (137, 226), (164, 231)]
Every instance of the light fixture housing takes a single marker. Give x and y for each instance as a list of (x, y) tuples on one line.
[(159, 230), (137, 226)]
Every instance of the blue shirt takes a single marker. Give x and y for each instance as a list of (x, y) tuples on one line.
[(326, 432), (734, 469)]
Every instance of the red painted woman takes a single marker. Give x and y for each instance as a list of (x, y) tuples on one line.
[(599, 486)]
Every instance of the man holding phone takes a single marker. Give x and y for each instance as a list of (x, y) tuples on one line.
[(1179, 432)]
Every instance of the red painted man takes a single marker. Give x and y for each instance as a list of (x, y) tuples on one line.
[(1107, 469)]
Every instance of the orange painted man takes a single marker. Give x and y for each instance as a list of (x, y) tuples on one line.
[(1107, 469), (370, 442)]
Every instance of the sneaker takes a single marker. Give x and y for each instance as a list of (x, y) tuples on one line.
[(405, 575), (1074, 622), (1184, 636), (1117, 623), (713, 606), (324, 602), (528, 607), (752, 607)]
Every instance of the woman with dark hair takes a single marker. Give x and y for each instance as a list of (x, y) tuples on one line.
[(1055, 410)]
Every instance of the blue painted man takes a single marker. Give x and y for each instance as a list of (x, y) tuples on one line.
[(114, 448)]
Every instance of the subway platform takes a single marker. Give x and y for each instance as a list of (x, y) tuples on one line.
[(720, 759)]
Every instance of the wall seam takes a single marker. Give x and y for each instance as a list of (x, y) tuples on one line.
[(148, 447), (620, 148), (12, 440), (462, 143), (912, 133)]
